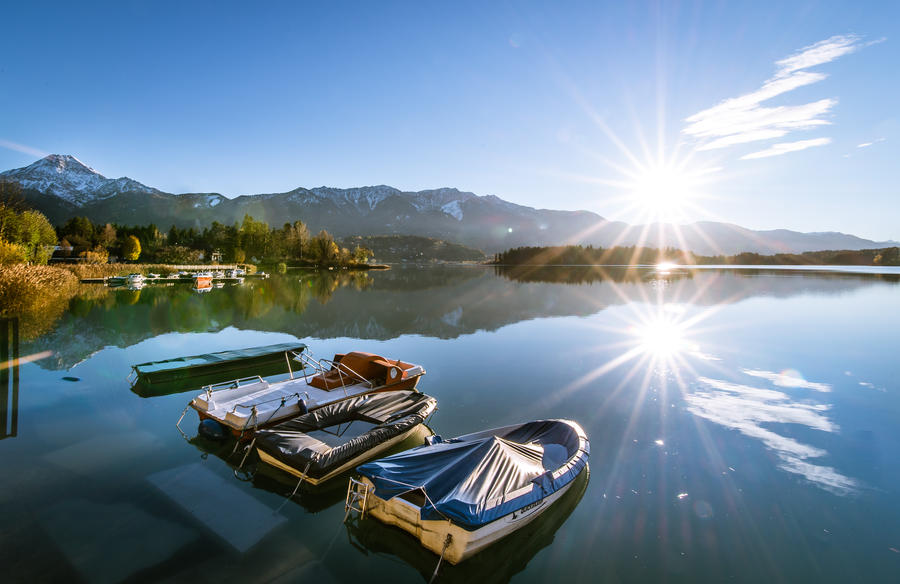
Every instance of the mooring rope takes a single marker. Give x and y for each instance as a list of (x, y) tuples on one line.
[(438, 567), (296, 488)]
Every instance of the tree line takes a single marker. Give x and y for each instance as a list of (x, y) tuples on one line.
[(248, 241), (633, 255), (574, 255), (26, 236)]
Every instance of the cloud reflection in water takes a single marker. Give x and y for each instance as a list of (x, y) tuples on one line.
[(746, 408)]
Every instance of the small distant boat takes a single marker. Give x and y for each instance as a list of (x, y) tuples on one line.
[(322, 444), (134, 279), (247, 405), (152, 276), (461, 495), (202, 279)]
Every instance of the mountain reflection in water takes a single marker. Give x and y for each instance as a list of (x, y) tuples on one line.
[(439, 302)]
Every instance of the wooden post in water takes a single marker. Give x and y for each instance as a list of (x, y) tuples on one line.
[(14, 419), (9, 416), (4, 376)]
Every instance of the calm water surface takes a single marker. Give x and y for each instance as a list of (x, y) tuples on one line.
[(744, 425)]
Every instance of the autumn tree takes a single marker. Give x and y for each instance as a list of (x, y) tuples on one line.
[(107, 236), (362, 254), (323, 249), (131, 248)]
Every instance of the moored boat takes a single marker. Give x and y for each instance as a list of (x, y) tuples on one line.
[(460, 496), (202, 280), (330, 440), (213, 367), (247, 405)]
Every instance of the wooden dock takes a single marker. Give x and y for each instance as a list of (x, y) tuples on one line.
[(173, 280)]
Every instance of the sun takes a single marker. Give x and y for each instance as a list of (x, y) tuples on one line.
[(664, 192)]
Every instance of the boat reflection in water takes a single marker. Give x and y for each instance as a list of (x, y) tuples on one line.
[(498, 563)]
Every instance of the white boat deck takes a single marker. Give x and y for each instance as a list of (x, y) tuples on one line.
[(271, 401)]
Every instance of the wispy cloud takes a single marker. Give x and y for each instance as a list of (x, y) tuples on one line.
[(820, 53), (785, 147), (788, 378), (867, 144), (21, 148), (744, 119)]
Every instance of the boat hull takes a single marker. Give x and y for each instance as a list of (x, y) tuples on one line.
[(463, 543), (265, 457)]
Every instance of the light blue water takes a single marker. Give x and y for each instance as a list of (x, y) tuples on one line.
[(745, 426)]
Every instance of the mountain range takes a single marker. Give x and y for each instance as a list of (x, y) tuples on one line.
[(61, 187)]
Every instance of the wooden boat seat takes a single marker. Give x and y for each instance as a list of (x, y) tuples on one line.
[(373, 368)]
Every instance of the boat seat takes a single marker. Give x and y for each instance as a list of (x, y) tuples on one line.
[(369, 366)]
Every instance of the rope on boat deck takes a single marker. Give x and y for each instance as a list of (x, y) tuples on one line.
[(438, 567), (254, 414)]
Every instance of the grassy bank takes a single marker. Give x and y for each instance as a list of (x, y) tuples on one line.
[(37, 295)]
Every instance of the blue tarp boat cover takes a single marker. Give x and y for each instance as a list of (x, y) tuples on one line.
[(477, 478)]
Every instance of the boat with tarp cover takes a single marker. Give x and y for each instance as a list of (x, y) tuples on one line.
[(330, 440), (211, 367), (246, 405), (459, 496)]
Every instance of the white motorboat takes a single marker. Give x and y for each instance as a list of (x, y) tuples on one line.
[(249, 404)]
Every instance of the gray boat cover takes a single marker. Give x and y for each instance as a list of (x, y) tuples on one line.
[(392, 412), (477, 478)]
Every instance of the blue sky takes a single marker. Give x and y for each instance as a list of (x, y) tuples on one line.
[(555, 105)]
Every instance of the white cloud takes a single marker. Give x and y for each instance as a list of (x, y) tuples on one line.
[(867, 144), (785, 147), (744, 119), (22, 148), (820, 53), (787, 379)]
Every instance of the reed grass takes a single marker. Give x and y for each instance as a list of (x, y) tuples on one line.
[(37, 295)]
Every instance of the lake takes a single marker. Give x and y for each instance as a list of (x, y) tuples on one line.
[(744, 426)]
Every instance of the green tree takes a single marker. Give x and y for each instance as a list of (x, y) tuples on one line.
[(80, 231), (131, 248), (323, 249), (362, 254)]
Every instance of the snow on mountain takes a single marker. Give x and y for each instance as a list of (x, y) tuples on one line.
[(210, 200), (70, 179), (453, 209), (487, 222), (437, 199), (363, 199)]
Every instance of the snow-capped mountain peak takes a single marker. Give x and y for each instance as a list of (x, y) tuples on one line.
[(68, 178)]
